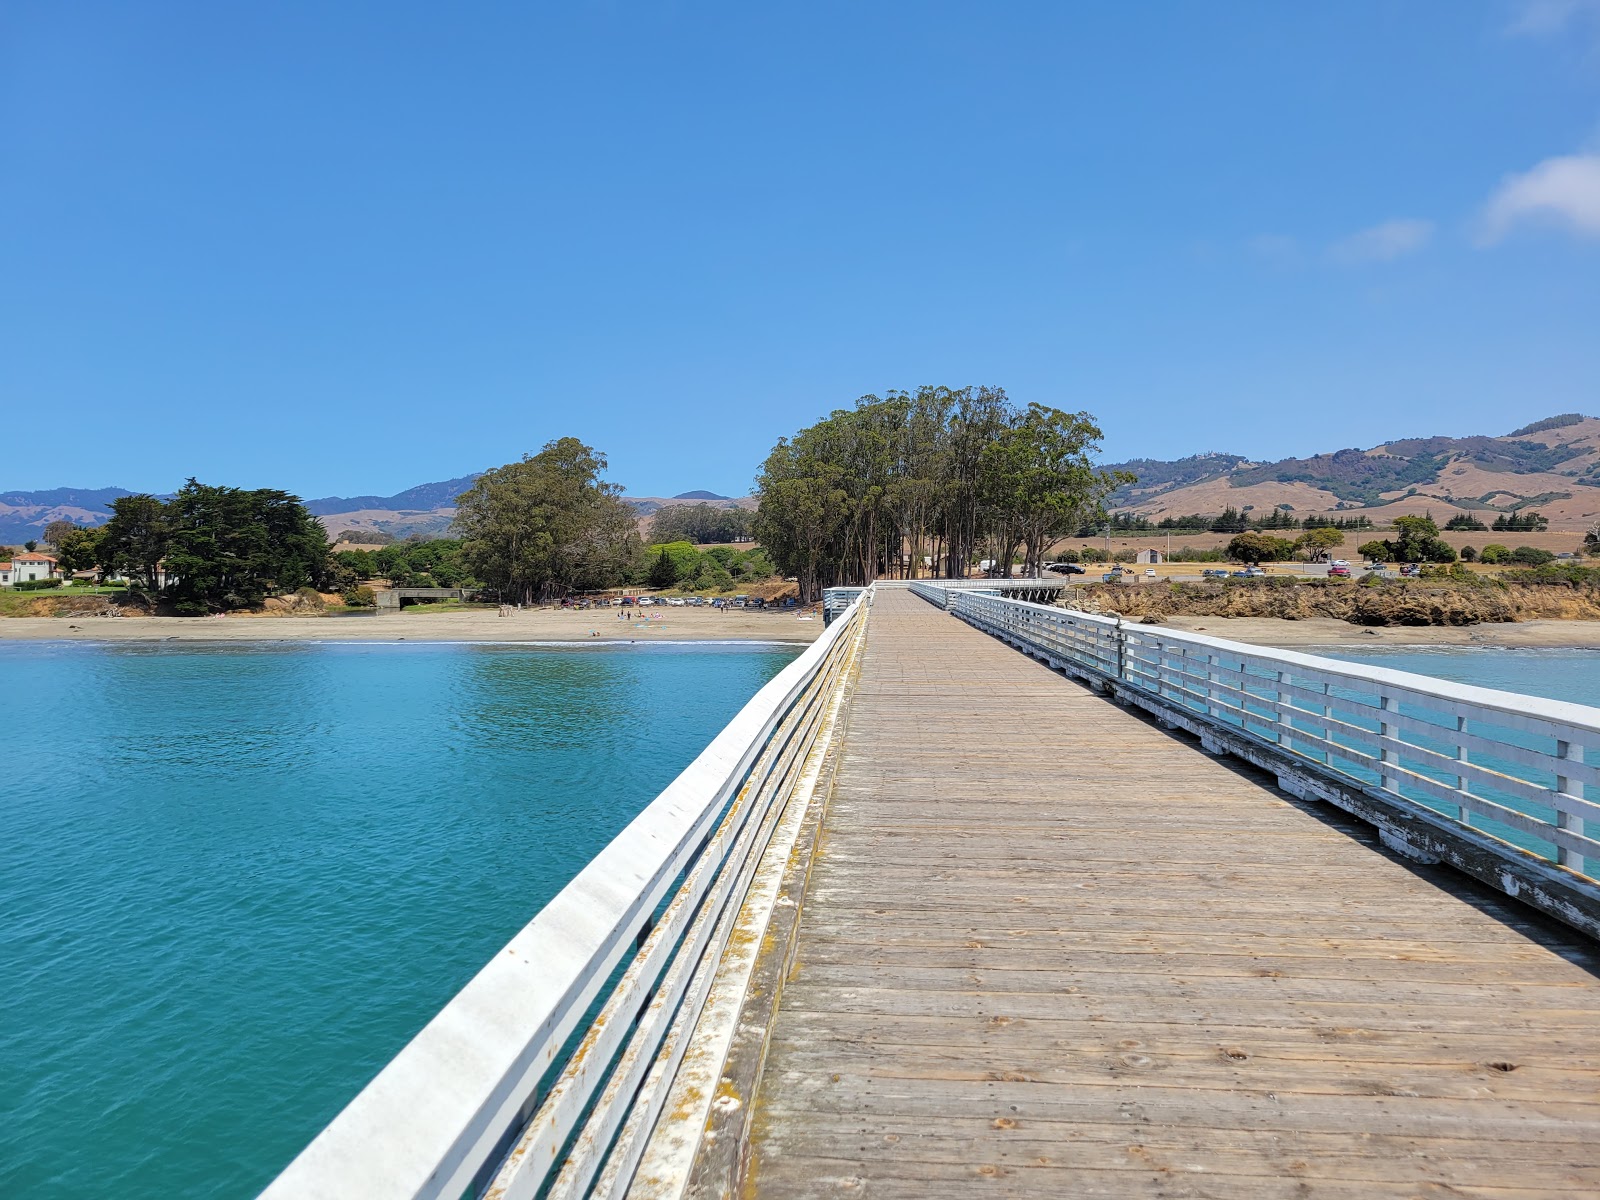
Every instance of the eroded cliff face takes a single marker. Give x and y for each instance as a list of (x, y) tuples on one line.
[(1393, 602)]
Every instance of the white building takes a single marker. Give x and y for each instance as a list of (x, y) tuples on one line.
[(1150, 557), (24, 568)]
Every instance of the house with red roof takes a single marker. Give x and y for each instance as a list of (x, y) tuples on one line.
[(26, 567)]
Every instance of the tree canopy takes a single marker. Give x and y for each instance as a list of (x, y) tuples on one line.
[(231, 548), (134, 541), (926, 483), (220, 547), (548, 524), (700, 524), (1254, 547)]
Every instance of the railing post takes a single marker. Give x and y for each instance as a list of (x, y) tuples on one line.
[(1464, 815), (1277, 713), (1567, 787), (1327, 730), (1386, 755)]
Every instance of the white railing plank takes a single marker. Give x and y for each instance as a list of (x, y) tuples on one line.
[(443, 1112)]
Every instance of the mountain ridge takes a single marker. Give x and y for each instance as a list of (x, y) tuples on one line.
[(1551, 464), (426, 509)]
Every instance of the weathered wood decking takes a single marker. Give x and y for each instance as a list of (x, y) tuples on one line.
[(1048, 948)]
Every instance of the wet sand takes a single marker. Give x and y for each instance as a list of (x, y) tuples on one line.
[(474, 625), (1327, 631)]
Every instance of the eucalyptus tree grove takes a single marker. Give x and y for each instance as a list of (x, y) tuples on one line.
[(927, 483)]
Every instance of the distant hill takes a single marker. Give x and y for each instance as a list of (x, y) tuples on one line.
[(23, 515), (426, 510), (425, 497), (1552, 465)]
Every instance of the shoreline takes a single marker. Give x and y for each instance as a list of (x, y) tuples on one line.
[(548, 627)]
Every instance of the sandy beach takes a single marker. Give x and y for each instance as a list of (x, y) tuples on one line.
[(1327, 631), (473, 625)]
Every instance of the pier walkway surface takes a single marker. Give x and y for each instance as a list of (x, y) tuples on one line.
[(1049, 947)]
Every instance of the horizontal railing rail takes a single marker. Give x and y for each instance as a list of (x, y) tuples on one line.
[(497, 1095), (1512, 767)]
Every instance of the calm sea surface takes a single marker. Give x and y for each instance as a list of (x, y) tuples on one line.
[(235, 880), (1556, 674)]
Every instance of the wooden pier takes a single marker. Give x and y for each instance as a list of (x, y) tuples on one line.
[(928, 919), (1050, 946)]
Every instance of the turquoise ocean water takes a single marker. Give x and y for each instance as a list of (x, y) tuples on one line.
[(235, 880), (1556, 674)]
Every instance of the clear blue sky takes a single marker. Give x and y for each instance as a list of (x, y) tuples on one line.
[(347, 248)]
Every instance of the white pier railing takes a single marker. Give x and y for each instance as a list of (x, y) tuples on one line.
[(1511, 766), (519, 1087)]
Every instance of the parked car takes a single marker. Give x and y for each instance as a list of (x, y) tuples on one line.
[(1411, 569), (627, 602), (1240, 574), (1339, 571), (1213, 573), (1066, 569), (1253, 572), (1149, 572)]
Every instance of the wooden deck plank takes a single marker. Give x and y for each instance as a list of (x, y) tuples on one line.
[(1040, 933)]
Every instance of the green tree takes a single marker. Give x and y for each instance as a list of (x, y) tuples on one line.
[(933, 480), (56, 530), (1374, 551), (1468, 554), (357, 562), (231, 548), (548, 525), (1253, 547), (663, 571), (754, 565), (699, 524), (1230, 521), (1042, 479), (673, 563), (1317, 543), (1530, 556), (1494, 553), (1417, 540), (135, 540), (78, 549)]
